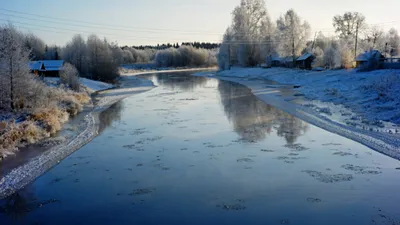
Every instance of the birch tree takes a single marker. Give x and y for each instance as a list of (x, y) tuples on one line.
[(14, 69), (252, 31), (393, 40), (75, 52), (292, 34), (349, 26)]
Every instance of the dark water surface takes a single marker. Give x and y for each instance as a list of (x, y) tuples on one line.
[(201, 151)]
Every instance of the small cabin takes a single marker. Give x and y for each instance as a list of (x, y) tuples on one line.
[(305, 61), (370, 60), (47, 68)]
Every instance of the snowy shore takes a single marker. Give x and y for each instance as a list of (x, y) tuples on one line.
[(350, 94), (104, 98)]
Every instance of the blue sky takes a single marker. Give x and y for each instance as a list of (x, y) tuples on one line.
[(159, 21)]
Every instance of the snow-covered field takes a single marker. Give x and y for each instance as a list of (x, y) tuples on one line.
[(349, 103)]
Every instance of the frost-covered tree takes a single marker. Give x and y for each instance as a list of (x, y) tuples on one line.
[(118, 53), (225, 50), (349, 25), (250, 35), (14, 72), (292, 34), (185, 56), (102, 65), (331, 57), (36, 46), (69, 76), (375, 38), (393, 40), (319, 57), (52, 53), (346, 53), (75, 52), (127, 56)]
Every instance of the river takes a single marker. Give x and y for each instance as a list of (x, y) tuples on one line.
[(196, 150)]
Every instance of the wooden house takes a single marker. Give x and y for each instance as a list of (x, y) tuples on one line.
[(47, 68), (305, 61), (371, 59)]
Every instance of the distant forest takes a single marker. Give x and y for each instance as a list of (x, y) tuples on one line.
[(204, 45)]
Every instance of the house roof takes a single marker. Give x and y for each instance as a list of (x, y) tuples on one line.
[(49, 65), (287, 59), (53, 65), (304, 56), (35, 65), (368, 55)]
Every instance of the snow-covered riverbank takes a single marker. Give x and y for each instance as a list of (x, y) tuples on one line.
[(24, 174), (353, 92)]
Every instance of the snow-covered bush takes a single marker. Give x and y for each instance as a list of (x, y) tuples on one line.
[(319, 57), (331, 57), (185, 56), (346, 56), (69, 76)]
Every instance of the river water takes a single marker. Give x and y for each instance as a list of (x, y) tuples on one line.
[(197, 150)]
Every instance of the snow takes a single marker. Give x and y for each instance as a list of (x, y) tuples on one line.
[(91, 85), (358, 102), (49, 65), (95, 85), (304, 56), (373, 94), (368, 55), (35, 65)]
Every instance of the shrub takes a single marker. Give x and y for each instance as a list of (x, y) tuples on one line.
[(16, 135), (185, 56), (69, 76), (51, 118)]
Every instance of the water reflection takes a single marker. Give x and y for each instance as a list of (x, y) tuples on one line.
[(110, 115), (254, 120), (19, 205), (182, 81)]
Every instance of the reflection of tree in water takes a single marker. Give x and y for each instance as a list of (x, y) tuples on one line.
[(182, 81), (18, 205), (110, 115), (253, 120)]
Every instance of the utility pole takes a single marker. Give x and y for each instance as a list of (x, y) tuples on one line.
[(313, 44), (386, 49), (355, 50)]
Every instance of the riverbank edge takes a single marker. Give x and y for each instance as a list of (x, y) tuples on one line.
[(25, 174), (386, 144)]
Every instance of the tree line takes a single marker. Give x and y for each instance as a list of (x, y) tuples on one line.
[(253, 38), (100, 59), (204, 45)]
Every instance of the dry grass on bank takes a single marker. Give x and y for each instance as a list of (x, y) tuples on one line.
[(42, 122)]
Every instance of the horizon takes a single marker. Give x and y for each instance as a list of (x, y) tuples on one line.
[(128, 23)]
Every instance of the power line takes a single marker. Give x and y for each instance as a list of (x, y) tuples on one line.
[(105, 25), (99, 27), (72, 30), (249, 41)]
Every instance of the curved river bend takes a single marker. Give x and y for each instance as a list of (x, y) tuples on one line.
[(197, 150)]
